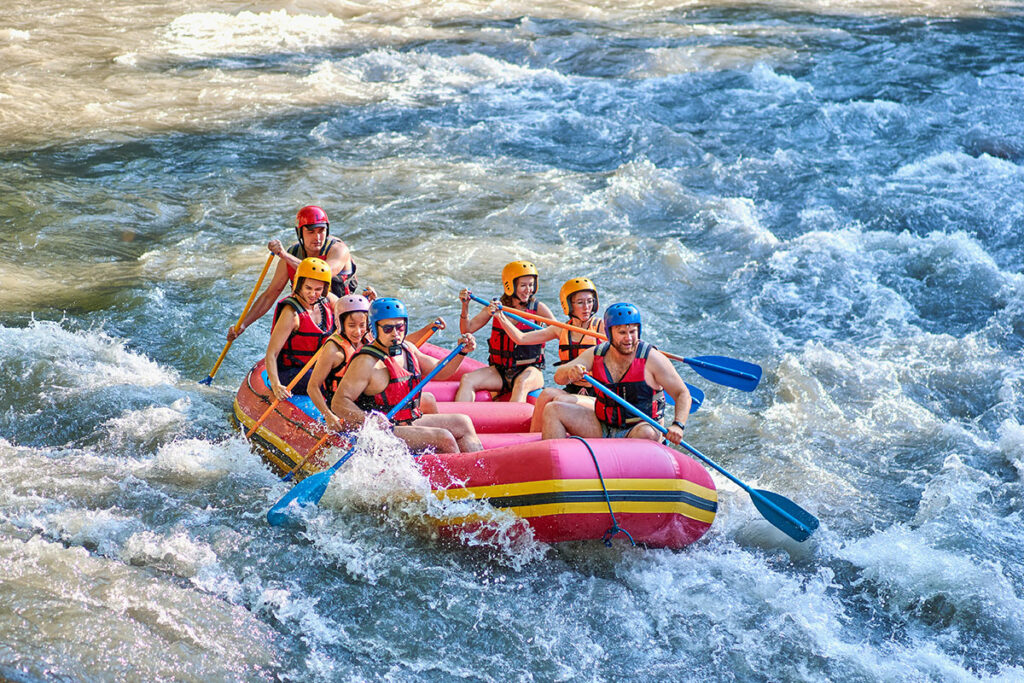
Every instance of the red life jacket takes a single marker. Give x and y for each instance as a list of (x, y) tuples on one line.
[(630, 387), (333, 379), (569, 350), (342, 283), (504, 353), (402, 381), (303, 342)]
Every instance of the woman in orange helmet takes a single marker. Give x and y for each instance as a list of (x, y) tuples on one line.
[(513, 368), (578, 297), (302, 322)]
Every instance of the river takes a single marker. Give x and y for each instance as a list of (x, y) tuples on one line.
[(825, 189)]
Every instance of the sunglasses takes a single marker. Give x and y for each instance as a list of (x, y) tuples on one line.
[(388, 329)]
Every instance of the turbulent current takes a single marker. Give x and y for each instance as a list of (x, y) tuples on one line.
[(832, 190)]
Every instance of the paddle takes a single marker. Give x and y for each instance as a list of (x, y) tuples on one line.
[(729, 372), (248, 304), (783, 513), (323, 439), (696, 395), (696, 398), (310, 490), (291, 385)]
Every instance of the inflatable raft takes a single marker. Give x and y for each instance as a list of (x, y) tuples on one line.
[(565, 489)]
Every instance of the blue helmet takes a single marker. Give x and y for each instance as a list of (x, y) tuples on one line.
[(622, 314), (382, 309)]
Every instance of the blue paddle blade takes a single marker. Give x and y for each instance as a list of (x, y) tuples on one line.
[(207, 381), (784, 514), (729, 372), (696, 398), (309, 491)]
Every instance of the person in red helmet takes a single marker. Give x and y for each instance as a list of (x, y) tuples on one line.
[(314, 232)]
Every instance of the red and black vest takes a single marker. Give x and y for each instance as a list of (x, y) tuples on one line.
[(303, 342), (342, 283), (630, 387), (333, 379), (504, 353), (568, 350), (403, 380)]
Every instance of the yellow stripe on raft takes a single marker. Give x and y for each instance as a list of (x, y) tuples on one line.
[(271, 438), (526, 488), (593, 507)]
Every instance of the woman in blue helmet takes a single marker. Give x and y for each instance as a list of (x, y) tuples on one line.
[(386, 370), (633, 370)]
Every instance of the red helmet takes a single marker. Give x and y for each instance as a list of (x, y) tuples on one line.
[(310, 215)]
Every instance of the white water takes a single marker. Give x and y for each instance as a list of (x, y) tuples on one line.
[(831, 190)]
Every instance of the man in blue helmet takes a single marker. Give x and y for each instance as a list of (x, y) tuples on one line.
[(631, 368), (385, 371)]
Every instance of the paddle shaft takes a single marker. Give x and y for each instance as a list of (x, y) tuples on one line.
[(291, 385), (533, 318), (657, 425), (248, 305)]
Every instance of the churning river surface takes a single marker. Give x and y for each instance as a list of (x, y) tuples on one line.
[(832, 190)]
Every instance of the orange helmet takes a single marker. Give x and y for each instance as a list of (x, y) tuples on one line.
[(577, 284), (310, 215), (515, 270), (314, 268)]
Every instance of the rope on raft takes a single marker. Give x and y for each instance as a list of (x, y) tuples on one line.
[(615, 529)]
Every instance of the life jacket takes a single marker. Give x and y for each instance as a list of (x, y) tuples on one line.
[(569, 350), (342, 283), (630, 387), (303, 342), (334, 376), (402, 381), (504, 353)]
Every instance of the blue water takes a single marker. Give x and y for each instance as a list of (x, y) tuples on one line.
[(834, 194)]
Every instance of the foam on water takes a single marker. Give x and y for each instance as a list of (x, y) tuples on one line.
[(938, 587), (176, 553), (147, 427), (55, 356), (1011, 444), (383, 476), (123, 622)]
